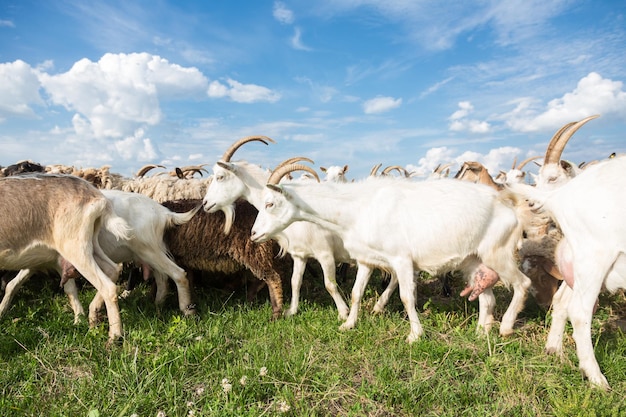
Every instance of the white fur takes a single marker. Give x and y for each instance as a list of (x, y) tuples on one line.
[(590, 212), (301, 240), (404, 226)]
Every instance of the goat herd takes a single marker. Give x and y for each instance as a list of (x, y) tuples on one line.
[(569, 226)]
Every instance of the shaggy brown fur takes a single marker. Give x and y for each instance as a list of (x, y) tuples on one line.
[(536, 254), (202, 245)]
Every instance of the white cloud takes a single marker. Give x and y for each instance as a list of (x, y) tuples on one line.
[(7, 24), (465, 108), (121, 92), (433, 157), (136, 148), (296, 41), (459, 121), (592, 95), (381, 104), (282, 13), (242, 93), (436, 26), (495, 160), (435, 87), (19, 89)]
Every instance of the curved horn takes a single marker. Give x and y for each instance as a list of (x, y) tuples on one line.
[(555, 149), (191, 170), (283, 170), (230, 151), (440, 168), (293, 161), (143, 171), (398, 168), (514, 163), (525, 161), (549, 151), (375, 170)]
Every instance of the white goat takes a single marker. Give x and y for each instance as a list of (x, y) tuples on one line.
[(592, 254), (301, 240), (402, 226), (335, 173), (45, 216), (148, 220)]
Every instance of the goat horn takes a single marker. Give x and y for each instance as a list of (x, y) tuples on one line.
[(514, 163), (293, 161), (525, 161), (440, 168), (283, 170), (397, 168), (375, 170), (143, 171), (230, 151), (560, 139)]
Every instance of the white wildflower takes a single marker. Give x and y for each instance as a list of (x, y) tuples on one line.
[(161, 414), (226, 386), (263, 371), (243, 380), (199, 390), (283, 407)]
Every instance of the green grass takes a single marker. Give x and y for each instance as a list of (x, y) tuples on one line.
[(233, 361)]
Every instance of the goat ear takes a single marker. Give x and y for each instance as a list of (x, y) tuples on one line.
[(274, 187), (345, 169), (567, 166), (323, 169), (226, 165)]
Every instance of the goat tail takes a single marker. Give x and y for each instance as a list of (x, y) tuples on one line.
[(176, 219), (115, 224)]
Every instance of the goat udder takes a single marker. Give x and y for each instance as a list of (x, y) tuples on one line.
[(484, 278)]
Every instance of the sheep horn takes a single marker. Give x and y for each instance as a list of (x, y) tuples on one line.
[(560, 139), (375, 170), (283, 170), (230, 151), (525, 161), (143, 171)]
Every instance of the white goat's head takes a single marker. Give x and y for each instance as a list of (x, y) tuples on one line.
[(335, 173), (227, 185), (279, 209), (515, 175), (554, 172)]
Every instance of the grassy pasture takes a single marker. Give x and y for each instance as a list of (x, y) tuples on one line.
[(232, 361)]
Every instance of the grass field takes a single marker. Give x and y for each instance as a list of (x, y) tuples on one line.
[(232, 361)]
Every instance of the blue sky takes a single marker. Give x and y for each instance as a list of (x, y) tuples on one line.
[(357, 82)]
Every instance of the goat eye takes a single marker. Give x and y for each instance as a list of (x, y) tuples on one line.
[(269, 205), (219, 178)]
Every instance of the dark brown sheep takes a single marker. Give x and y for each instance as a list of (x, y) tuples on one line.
[(201, 244)]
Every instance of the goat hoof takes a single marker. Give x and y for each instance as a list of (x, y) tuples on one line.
[(115, 341)]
